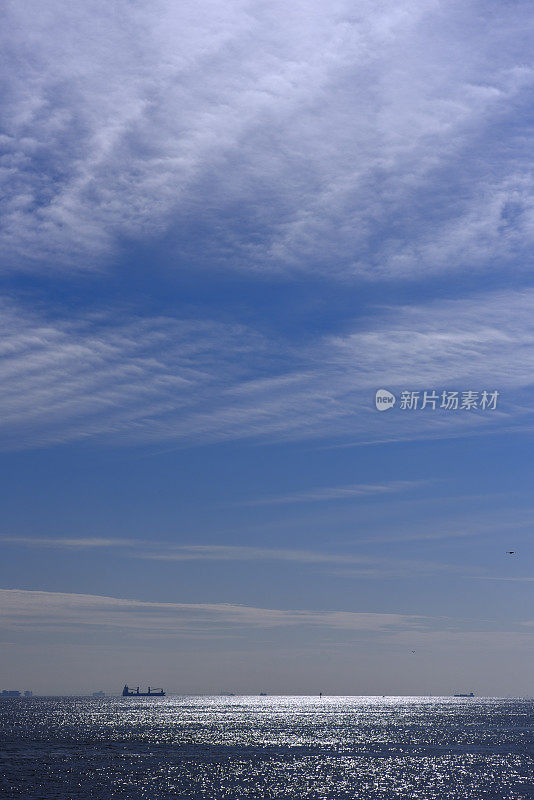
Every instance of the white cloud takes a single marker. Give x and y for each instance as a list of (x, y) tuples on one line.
[(71, 379), (349, 566), (341, 564), (319, 137), (68, 543), (30, 610), (339, 493), (184, 381)]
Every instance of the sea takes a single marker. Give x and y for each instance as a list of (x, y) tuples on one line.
[(225, 748)]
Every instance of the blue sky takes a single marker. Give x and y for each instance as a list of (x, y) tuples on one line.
[(224, 227)]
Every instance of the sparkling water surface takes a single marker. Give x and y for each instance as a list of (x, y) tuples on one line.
[(266, 747)]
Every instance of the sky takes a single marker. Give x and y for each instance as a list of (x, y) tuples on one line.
[(224, 228)]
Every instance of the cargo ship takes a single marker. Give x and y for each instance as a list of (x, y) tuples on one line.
[(127, 692), (469, 694)]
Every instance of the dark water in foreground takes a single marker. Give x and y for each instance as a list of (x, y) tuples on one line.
[(266, 747)]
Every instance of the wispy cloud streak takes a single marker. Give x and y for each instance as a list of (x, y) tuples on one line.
[(184, 381), (343, 564), (339, 493), (68, 543), (32, 609)]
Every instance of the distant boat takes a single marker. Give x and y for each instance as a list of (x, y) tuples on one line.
[(263, 694), (126, 692), (10, 693), (469, 694)]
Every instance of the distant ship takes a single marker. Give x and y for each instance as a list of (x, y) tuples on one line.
[(126, 692), (469, 694)]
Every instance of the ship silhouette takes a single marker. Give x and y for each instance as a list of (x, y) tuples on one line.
[(127, 692)]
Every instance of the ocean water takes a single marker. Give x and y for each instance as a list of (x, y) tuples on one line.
[(266, 747)]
